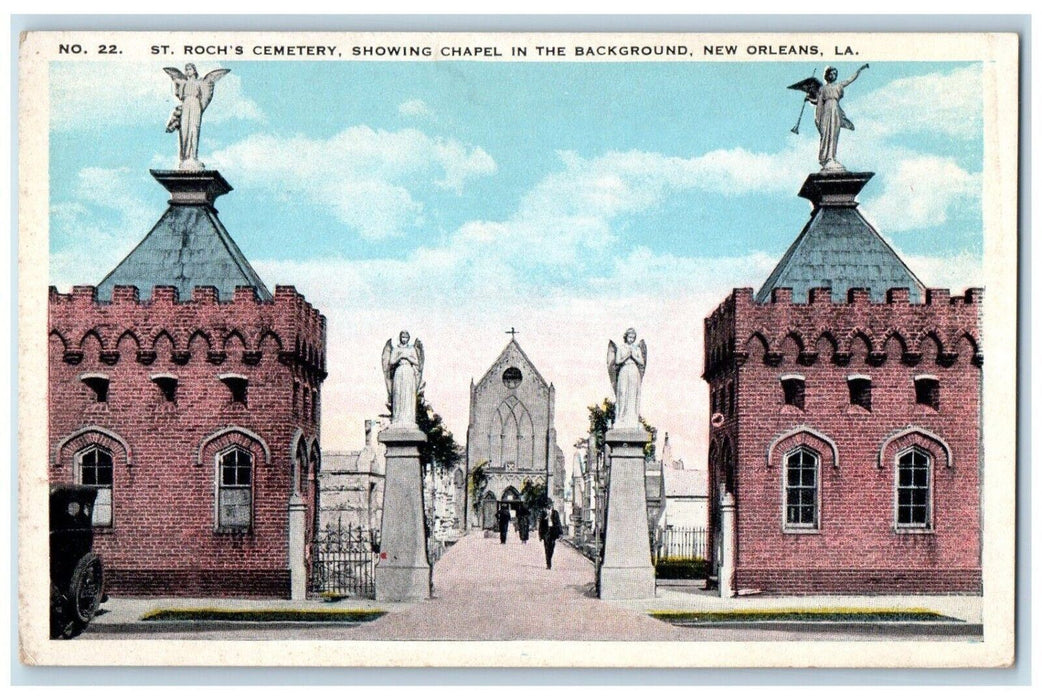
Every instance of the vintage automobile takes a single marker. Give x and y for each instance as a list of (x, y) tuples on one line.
[(77, 575)]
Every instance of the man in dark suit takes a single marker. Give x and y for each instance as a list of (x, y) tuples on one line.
[(503, 521), (522, 523), (549, 531)]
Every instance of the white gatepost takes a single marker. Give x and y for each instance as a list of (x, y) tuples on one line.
[(298, 572), (626, 572), (403, 572), (727, 545)]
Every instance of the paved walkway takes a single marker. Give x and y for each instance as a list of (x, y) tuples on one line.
[(484, 590)]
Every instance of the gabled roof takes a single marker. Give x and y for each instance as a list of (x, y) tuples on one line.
[(839, 248), (512, 344)]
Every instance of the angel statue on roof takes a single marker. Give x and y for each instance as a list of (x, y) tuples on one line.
[(828, 115), (194, 94), (403, 372), (626, 371)]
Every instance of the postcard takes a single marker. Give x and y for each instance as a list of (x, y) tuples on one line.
[(574, 350)]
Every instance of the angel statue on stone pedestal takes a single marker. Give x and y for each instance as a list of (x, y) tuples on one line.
[(195, 94), (403, 372), (828, 115), (626, 371)]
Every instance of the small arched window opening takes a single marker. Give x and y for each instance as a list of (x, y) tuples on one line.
[(234, 489), (237, 386), (914, 469), (302, 466), (801, 490), (94, 467), (727, 466), (167, 384), (860, 388), (793, 390), (928, 391), (99, 386)]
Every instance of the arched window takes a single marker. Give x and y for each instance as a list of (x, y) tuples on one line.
[(234, 489), (913, 489), (801, 489), (302, 466), (94, 468)]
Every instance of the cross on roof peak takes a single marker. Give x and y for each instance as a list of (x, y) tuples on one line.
[(512, 332)]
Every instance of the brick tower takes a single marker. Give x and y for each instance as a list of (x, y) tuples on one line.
[(190, 396), (845, 428)]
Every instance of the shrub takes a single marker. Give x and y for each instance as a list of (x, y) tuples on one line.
[(672, 567)]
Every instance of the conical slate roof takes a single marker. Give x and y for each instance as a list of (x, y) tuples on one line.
[(188, 247), (839, 249)]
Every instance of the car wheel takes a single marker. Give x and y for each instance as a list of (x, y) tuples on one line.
[(85, 588)]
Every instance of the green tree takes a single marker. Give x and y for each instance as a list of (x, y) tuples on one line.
[(534, 495), (602, 415), (478, 482), (441, 448)]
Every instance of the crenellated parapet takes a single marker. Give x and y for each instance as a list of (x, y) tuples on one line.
[(943, 330), (202, 328)]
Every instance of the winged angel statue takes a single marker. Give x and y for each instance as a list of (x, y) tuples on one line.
[(828, 115), (195, 94), (626, 371), (403, 372)]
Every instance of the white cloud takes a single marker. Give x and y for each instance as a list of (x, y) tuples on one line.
[(102, 223), (922, 191), (133, 93), (414, 108), (957, 272), (950, 104), (365, 177), (569, 217)]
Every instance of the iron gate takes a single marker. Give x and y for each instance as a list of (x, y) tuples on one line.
[(343, 560)]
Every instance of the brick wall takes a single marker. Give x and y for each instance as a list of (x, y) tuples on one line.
[(857, 547), (164, 538)]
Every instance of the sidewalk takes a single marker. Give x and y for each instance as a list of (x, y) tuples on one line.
[(962, 607), (484, 590)]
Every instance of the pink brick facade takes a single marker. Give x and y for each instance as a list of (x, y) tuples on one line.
[(857, 545), (164, 537)]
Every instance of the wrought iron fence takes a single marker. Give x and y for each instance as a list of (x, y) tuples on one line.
[(680, 543), (343, 561)]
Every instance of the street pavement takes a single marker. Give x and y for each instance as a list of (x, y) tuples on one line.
[(487, 591)]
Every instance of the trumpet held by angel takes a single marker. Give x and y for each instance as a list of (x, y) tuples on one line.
[(626, 365), (403, 373), (194, 95), (828, 115)]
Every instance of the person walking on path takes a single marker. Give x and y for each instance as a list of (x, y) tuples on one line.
[(549, 531), (523, 523), (503, 520)]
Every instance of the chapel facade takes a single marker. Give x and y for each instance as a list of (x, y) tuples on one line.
[(511, 436)]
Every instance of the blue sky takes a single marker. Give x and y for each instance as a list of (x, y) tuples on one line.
[(563, 198)]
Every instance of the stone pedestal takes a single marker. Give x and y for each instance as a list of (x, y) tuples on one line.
[(403, 571), (298, 573), (727, 545), (192, 187), (834, 188), (627, 572)]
